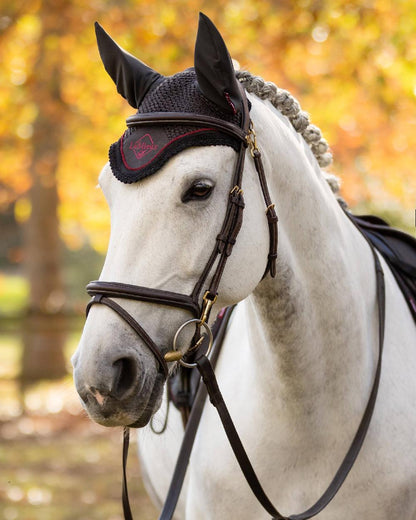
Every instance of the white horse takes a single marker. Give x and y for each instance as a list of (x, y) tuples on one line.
[(299, 356)]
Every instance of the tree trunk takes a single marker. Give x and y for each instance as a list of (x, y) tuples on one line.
[(44, 331)]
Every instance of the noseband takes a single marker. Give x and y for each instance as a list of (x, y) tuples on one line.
[(102, 292)]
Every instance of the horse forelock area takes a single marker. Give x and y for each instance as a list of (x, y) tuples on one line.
[(289, 107)]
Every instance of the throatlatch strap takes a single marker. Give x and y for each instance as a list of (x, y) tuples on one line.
[(270, 213)]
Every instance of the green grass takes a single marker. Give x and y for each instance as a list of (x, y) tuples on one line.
[(14, 292)]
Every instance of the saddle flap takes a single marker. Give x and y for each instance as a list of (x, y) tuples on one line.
[(399, 251)]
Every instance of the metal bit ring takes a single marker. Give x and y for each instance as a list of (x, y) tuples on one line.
[(208, 331)]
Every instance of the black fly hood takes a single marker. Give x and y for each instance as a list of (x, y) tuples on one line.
[(210, 89), (143, 150)]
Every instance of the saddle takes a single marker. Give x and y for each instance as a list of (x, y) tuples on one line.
[(397, 248)]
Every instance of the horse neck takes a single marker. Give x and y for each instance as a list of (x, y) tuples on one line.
[(315, 325)]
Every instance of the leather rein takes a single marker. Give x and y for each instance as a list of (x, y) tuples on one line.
[(103, 292)]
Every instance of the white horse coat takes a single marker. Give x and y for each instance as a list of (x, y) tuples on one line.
[(299, 357), (297, 368)]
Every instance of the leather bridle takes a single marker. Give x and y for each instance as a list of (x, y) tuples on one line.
[(103, 293)]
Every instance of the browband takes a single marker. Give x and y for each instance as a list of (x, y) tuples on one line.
[(167, 118)]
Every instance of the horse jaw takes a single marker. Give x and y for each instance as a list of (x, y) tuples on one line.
[(160, 242)]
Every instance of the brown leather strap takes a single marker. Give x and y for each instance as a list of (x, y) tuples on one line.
[(227, 237), (270, 213), (234, 214), (215, 396), (144, 294), (180, 118), (125, 493), (217, 400), (188, 439), (192, 427), (138, 329)]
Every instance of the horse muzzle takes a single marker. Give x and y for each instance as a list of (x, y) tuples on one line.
[(116, 395)]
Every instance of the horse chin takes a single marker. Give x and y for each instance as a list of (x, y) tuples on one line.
[(112, 412), (151, 408)]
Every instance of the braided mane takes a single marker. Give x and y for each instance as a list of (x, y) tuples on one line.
[(287, 105)]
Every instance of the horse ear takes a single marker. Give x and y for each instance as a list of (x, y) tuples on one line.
[(214, 68), (132, 77)]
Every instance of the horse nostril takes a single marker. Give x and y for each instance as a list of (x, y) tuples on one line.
[(125, 374)]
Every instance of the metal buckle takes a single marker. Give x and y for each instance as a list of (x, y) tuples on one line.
[(207, 303), (252, 140)]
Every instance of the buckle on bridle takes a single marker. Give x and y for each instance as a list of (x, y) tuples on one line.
[(251, 139), (208, 301)]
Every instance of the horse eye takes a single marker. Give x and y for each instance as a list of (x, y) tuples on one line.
[(200, 190)]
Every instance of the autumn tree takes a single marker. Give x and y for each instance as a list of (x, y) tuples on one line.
[(44, 335), (352, 65)]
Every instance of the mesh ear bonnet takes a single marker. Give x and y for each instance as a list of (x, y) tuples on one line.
[(143, 150)]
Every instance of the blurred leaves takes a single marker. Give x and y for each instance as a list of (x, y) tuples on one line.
[(63, 467), (352, 64)]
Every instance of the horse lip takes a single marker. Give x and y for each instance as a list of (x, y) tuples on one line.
[(152, 405)]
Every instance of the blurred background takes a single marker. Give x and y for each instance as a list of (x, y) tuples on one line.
[(351, 64)]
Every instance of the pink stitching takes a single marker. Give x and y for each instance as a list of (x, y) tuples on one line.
[(160, 151), (228, 98), (143, 146)]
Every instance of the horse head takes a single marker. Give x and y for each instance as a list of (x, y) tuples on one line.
[(168, 188)]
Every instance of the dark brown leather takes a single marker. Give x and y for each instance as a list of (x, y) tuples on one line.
[(192, 427), (144, 294), (138, 329), (125, 492), (180, 118), (208, 377), (271, 215)]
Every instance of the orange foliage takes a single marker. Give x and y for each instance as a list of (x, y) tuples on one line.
[(352, 65)]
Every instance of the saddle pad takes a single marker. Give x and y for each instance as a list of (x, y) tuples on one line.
[(399, 251)]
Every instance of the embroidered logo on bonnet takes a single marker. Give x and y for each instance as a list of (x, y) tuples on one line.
[(143, 146)]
